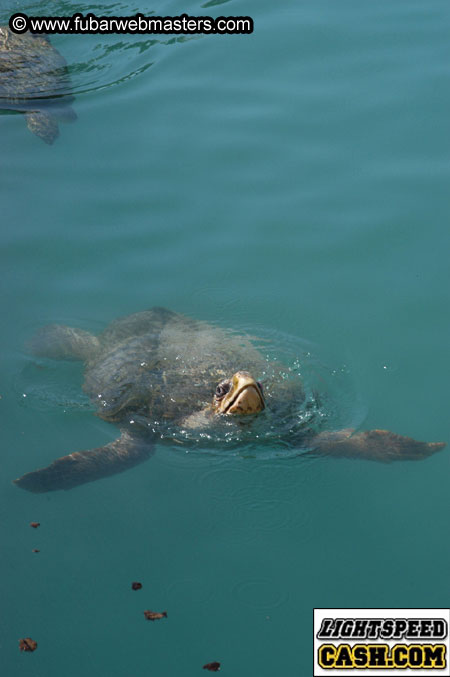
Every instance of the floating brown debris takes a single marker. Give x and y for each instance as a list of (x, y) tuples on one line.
[(213, 667), (136, 585), (27, 644), (35, 550), (155, 615), (35, 525)]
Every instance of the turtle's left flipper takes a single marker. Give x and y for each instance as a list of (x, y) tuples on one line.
[(373, 445), (86, 466), (43, 125)]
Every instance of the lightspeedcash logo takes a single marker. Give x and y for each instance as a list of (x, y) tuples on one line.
[(381, 642)]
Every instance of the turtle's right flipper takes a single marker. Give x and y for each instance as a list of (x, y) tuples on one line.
[(87, 466), (373, 445), (63, 343)]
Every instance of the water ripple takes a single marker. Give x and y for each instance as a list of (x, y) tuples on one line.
[(191, 590), (49, 387), (260, 593), (100, 61), (257, 511)]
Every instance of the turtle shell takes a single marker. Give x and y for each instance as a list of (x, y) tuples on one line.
[(34, 80), (33, 74), (161, 365)]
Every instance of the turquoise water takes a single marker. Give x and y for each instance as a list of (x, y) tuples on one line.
[(295, 179)]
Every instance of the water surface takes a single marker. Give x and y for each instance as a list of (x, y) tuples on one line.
[(296, 180)]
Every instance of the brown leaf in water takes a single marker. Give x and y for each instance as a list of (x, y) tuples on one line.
[(136, 586), (27, 644), (155, 615), (35, 525), (213, 667)]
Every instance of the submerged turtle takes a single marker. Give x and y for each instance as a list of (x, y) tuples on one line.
[(157, 372), (34, 81)]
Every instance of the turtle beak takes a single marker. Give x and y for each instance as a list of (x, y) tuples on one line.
[(244, 397)]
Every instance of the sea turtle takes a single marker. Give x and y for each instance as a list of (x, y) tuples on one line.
[(34, 81), (158, 375)]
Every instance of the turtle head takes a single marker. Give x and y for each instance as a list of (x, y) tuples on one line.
[(240, 394)]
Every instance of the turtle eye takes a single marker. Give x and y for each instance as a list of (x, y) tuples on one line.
[(222, 389)]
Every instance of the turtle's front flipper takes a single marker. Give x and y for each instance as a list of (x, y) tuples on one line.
[(373, 445), (87, 466), (64, 343), (43, 125)]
